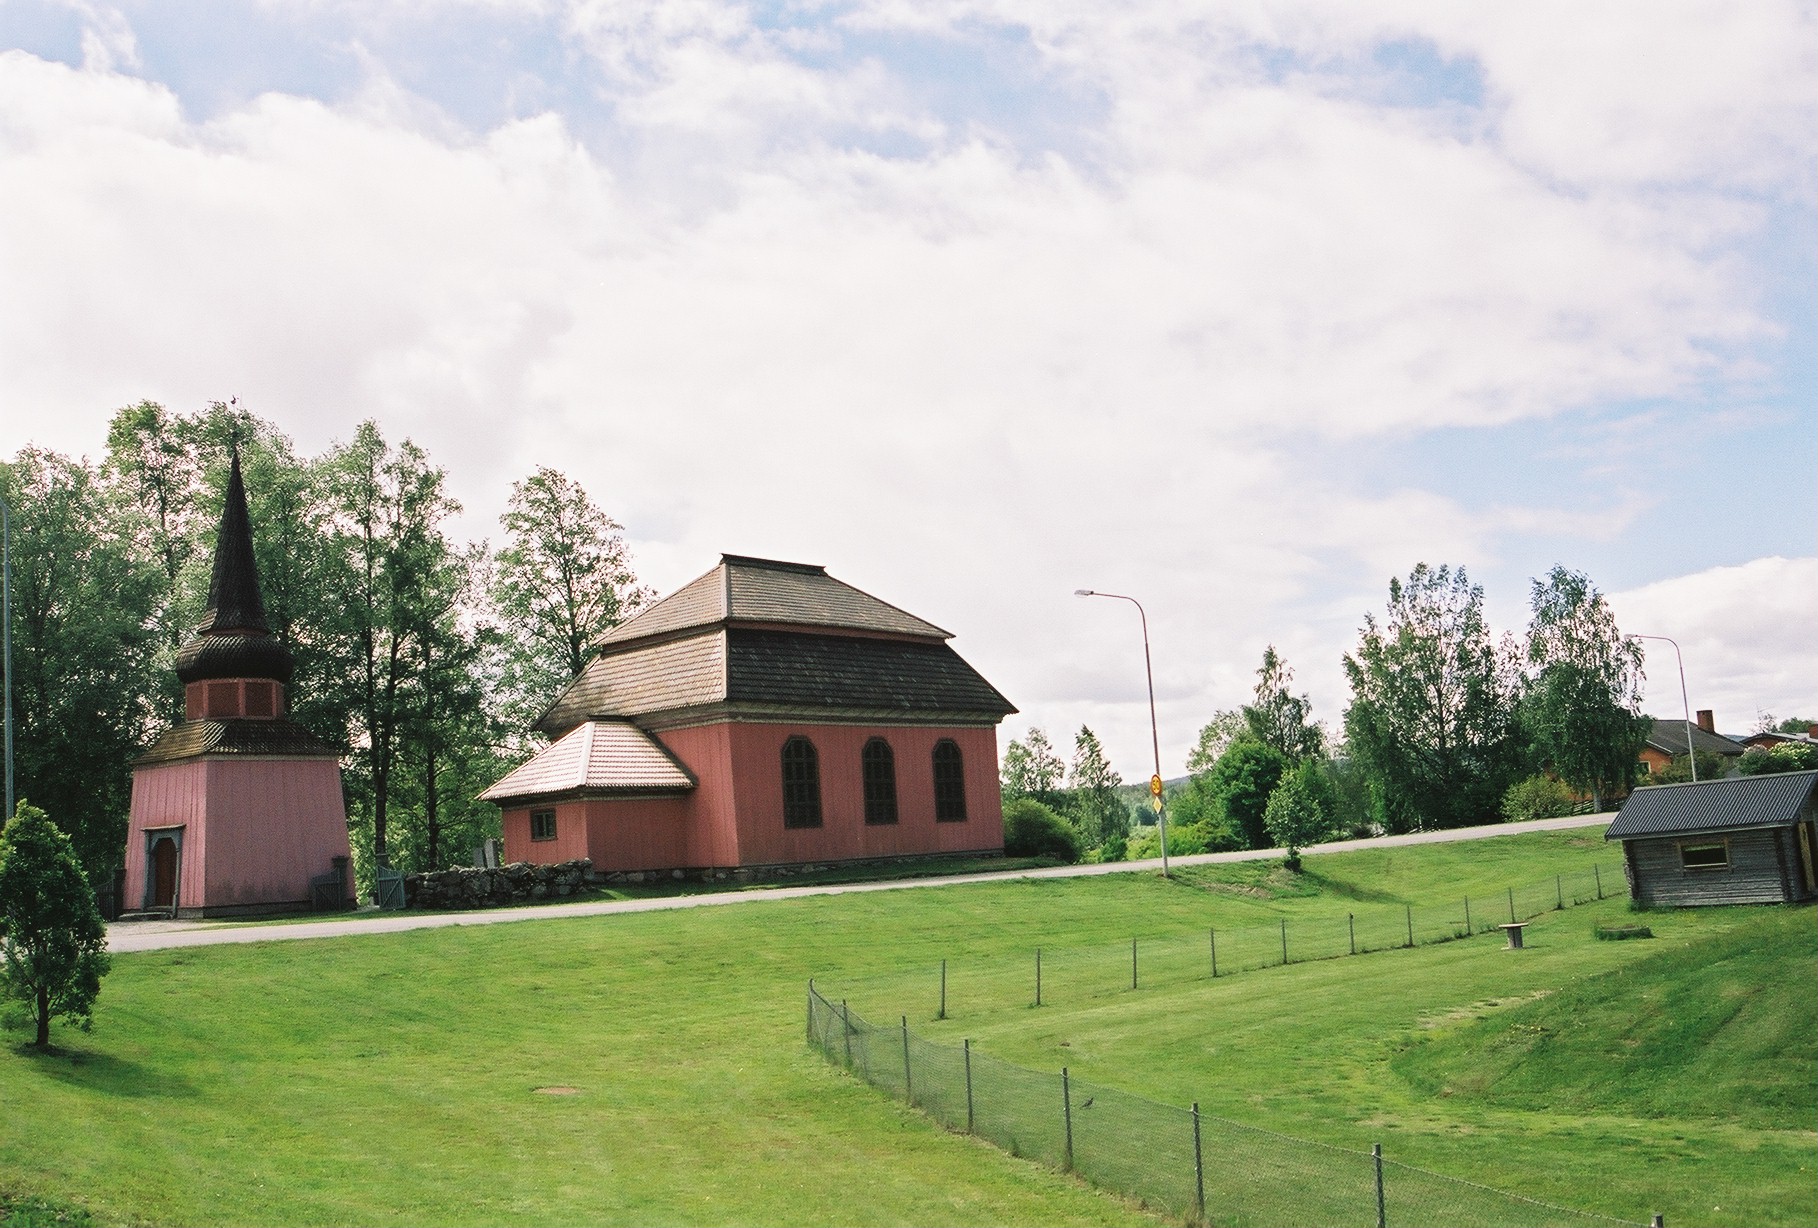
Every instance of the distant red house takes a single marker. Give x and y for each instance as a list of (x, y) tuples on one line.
[(238, 809), (763, 715)]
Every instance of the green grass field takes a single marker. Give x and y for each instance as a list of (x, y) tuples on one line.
[(394, 1079)]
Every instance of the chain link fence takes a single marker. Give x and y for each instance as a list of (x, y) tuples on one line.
[(1047, 977), (1205, 1169)]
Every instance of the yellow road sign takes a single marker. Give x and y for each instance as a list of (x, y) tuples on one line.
[(1155, 785)]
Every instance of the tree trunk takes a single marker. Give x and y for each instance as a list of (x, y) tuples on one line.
[(43, 1017), (430, 819)]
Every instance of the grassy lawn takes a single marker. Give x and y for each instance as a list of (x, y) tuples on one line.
[(395, 1078)]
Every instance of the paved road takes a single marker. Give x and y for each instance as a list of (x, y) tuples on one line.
[(162, 935)]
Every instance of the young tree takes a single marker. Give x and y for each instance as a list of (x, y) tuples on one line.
[(1095, 808), (1032, 769), (1241, 783), (53, 947), (1295, 817), (562, 579), (1278, 718), (1582, 710), (1432, 715)]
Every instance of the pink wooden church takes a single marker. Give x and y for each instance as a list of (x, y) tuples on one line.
[(764, 715), (238, 810)]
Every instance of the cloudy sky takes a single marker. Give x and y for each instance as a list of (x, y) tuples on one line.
[(1238, 307)]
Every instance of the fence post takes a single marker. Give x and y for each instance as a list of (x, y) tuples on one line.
[(1511, 906), (1351, 920), (1038, 976), (1558, 892), (1410, 909), (846, 1019), (1199, 1169), (1212, 937), (968, 1052), (908, 1095), (1468, 930), (1284, 940), (943, 1013), (1382, 1215), (1598, 875), (1067, 1115), (811, 1010), (1659, 1221), (1133, 963)]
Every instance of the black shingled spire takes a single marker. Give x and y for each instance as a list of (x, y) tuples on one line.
[(234, 603)]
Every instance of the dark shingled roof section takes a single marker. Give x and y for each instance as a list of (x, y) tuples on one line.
[(193, 739), (1769, 800), (234, 656), (234, 603), (649, 678), (745, 589), (1669, 736), (825, 671)]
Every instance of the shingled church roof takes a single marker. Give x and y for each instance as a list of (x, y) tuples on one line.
[(233, 639), (762, 639)]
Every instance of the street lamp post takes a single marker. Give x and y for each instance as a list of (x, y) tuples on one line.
[(1161, 815), (1691, 753), (6, 644)]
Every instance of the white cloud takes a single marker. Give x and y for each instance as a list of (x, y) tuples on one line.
[(968, 376), (1745, 633)]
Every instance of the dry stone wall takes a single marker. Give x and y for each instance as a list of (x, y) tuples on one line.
[(517, 883)]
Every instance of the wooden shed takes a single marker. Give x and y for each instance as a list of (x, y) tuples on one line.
[(1740, 840)]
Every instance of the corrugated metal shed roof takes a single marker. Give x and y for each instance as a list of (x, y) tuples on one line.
[(193, 739), (1668, 736), (1735, 802), (745, 589), (597, 756)]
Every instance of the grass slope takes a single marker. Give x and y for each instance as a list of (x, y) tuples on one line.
[(393, 1079), (1720, 1027)]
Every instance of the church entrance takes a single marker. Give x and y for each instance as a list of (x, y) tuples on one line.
[(161, 872)]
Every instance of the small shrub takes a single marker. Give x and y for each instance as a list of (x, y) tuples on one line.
[(1033, 830), (1537, 797)]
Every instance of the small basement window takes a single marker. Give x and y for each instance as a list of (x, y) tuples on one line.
[(542, 825), (1705, 856)]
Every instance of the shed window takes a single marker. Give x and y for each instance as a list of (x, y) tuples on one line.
[(801, 784), (1705, 856), (949, 782), (879, 763), (542, 825)]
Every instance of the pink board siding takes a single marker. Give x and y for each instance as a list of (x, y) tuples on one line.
[(570, 840), (168, 795), (255, 831), (734, 815), (844, 834)]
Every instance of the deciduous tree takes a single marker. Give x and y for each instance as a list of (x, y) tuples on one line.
[(561, 580), (1432, 715), (1032, 769), (53, 947), (84, 639), (1095, 808), (1279, 718), (1582, 709)]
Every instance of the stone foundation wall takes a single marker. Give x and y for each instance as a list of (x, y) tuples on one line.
[(517, 883)]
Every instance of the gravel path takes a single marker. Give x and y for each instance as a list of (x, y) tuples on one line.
[(163, 935)]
